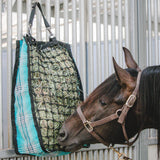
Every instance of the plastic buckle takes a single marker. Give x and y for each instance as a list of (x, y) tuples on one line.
[(131, 100), (87, 125)]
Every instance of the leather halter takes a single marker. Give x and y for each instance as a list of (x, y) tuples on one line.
[(121, 118)]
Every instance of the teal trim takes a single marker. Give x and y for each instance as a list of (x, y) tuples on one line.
[(27, 138)]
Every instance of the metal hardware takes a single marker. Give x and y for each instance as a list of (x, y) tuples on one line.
[(50, 32), (29, 29), (88, 126), (118, 112), (131, 100)]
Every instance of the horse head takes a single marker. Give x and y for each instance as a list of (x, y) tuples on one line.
[(108, 98)]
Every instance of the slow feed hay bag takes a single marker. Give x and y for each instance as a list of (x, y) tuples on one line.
[(46, 89)]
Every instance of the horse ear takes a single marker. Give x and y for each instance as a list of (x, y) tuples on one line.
[(130, 62), (122, 75)]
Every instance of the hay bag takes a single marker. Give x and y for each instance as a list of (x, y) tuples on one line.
[(46, 90)]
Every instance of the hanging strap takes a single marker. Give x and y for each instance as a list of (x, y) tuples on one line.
[(48, 27)]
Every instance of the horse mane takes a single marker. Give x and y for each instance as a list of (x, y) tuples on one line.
[(149, 96)]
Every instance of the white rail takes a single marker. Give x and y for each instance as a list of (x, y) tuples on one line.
[(1, 107)]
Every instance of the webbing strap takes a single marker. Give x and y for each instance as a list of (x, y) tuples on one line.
[(32, 17)]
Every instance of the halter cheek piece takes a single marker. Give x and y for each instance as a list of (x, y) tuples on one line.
[(120, 114)]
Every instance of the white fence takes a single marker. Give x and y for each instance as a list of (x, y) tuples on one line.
[(96, 30)]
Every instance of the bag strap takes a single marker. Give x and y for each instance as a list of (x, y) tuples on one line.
[(48, 27)]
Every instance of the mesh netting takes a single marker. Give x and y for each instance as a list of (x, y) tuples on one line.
[(56, 90)]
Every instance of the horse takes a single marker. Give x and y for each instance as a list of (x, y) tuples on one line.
[(112, 114)]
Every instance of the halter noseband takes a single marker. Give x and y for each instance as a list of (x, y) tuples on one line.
[(121, 117)]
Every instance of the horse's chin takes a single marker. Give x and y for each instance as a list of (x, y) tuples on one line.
[(72, 147)]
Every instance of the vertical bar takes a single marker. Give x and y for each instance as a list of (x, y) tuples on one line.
[(90, 155), (57, 18), (74, 29), (48, 14), (84, 155), (9, 68), (126, 25), (126, 151), (141, 29), (101, 154), (19, 19), (156, 31), (106, 155), (113, 28), (38, 24), (28, 10), (1, 133), (120, 37), (149, 34), (82, 44), (79, 157), (98, 42), (106, 53), (95, 155), (133, 27), (90, 48), (28, 7), (73, 156), (111, 155), (66, 30), (130, 152)]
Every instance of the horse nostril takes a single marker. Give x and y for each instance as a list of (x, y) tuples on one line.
[(62, 135)]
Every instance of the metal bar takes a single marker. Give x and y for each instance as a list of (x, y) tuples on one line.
[(79, 156), (74, 30), (84, 155), (133, 28), (19, 19), (38, 24), (90, 153), (126, 25), (156, 31), (83, 44), (98, 42), (28, 7), (111, 154), (48, 14), (130, 153), (120, 37), (90, 48), (73, 156), (106, 155), (149, 34), (113, 28), (9, 68), (106, 53), (101, 154), (1, 108), (66, 26), (57, 18), (95, 157), (115, 155), (141, 29)]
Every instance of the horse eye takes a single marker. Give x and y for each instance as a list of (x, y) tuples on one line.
[(119, 102), (102, 102)]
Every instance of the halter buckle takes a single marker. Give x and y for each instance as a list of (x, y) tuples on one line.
[(88, 126), (131, 100)]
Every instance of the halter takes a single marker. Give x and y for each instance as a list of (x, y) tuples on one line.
[(120, 114)]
